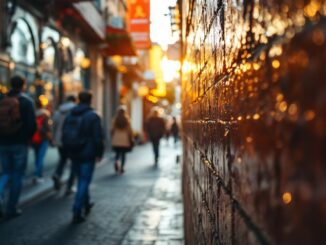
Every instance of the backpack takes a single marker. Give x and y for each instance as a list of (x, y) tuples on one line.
[(73, 139), (10, 118), (37, 137)]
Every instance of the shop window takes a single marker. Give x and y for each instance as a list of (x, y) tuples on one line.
[(48, 62), (22, 44)]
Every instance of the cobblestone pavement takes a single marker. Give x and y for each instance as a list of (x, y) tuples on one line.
[(143, 206), (160, 219)]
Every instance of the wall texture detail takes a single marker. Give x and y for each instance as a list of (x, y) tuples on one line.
[(254, 120)]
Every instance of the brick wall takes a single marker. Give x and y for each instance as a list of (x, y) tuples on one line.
[(254, 120)]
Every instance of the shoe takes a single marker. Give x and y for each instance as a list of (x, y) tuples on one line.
[(122, 170), (116, 167), (88, 208), (40, 180), (37, 180), (56, 182), (77, 219), (17, 213)]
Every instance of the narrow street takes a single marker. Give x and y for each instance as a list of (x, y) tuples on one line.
[(143, 206)]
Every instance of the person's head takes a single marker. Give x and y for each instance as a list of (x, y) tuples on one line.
[(155, 113), (174, 119), (85, 97), (17, 83), (71, 98), (121, 119)]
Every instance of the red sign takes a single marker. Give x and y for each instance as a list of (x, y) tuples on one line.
[(139, 23)]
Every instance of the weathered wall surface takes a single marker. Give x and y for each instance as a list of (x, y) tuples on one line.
[(254, 120)]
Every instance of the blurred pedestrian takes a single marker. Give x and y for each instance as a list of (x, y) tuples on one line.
[(41, 139), (17, 126), (167, 132), (122, 138), (175, 130), (83, 139), (155, 128), (58, 119)]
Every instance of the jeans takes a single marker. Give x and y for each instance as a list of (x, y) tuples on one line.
[(14, 161), (40, 151), (84, 172), (122, 153), (63, 159), (156, 145)]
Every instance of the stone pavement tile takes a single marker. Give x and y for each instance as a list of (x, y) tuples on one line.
[(163, 210), (176, 242), (127, 242), (171, 233), (161, 242)]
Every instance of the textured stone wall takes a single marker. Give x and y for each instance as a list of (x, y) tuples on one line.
[(254, 120)]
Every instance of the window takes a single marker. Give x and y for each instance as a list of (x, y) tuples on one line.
[(22, 46)]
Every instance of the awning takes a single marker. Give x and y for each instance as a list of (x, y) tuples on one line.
[(83, 16), (118, 42)]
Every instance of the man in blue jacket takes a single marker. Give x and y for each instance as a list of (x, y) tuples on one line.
[(17, 126), (83, 138)]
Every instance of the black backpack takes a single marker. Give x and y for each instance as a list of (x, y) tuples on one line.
[(73, 134)]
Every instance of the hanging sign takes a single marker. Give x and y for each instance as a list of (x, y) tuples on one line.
[(139, 23)]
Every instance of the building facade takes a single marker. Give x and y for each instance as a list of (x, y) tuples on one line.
[(50, 44), (254, 121)]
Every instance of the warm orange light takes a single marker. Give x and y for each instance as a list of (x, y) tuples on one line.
[(152, 99), (249, 139), (143, 91), (309, 115), (276, 64), (283, 106), (256, 116), (287, 197), (256, 66), (122, 69), (293, 109), (44, 100), (85, 63)]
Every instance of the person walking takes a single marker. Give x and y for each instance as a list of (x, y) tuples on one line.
[(175, 130), (58, 119), (122, 138), (17, 126), (155, 128), (83, 138), (40, 140)]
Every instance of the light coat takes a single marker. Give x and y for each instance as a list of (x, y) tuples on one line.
[(121, 137)]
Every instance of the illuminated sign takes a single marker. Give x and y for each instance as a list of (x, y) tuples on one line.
[(139, 23)]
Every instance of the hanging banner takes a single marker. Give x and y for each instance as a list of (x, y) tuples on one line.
[(139, 23)]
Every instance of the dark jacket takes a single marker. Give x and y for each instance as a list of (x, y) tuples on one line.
[(155, 128), (27, 112), (175, 129), (93, 130)]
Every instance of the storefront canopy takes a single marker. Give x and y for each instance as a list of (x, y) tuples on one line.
[(80, 15), (118, 42)]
